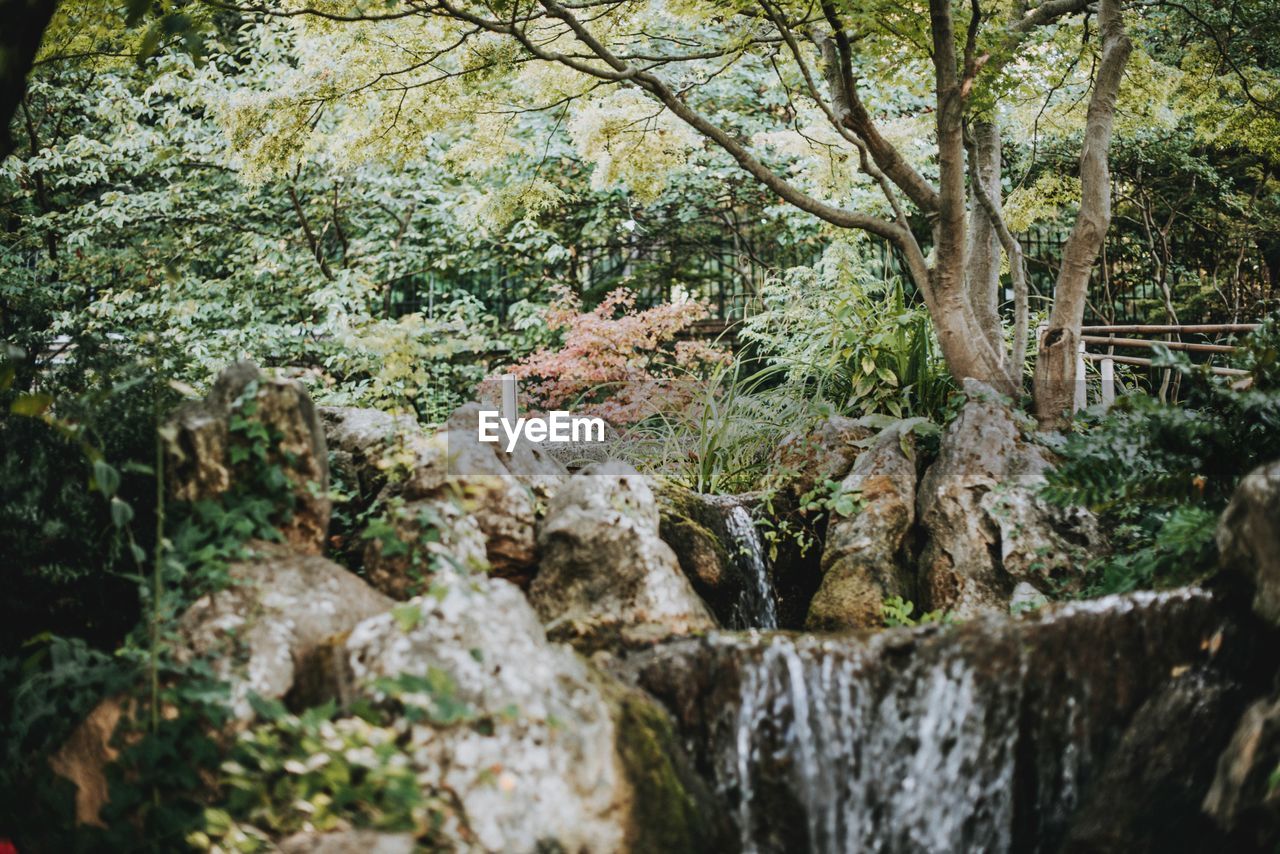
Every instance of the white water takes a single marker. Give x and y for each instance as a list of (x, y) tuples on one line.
[(914, 768), (756, 607), (981, 737)]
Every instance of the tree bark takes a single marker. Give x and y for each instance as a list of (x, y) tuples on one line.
[(984, 242), (1055, 377), (969, 350)]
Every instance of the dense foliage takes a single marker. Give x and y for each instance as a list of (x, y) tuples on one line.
[(1160, 473)]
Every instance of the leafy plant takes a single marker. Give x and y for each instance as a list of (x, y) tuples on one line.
[(898, 612), (1159, 474)]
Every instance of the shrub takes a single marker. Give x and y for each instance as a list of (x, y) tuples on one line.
[(621, 363), (1160, 474)]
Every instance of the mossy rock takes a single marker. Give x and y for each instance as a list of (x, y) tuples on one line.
[(673, 809)]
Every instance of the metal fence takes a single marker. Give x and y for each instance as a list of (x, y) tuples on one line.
[(728, 274)]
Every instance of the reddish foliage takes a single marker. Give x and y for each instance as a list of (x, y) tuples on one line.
[(617, 362)]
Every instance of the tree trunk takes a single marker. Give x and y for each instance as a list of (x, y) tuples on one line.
[(984, 242), (1055, 378)]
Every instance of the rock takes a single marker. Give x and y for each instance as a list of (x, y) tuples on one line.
[(280, 608), (986, 528), (606, 576), (534, 465), (349, 842), (1026, 598), (1249, 538), (448, 471), (199, 443), (866, 557), (719, 549), (501, 491), (84, 756), (540, 752), (412, 541), (1146, 796), (686, 523), (804, 461), (364, 444), (987, 735), (1244, 799)]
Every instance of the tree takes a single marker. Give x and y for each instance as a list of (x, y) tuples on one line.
[(825, 58)]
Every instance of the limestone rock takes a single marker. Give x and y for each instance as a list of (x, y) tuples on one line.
[(866, 556), (1243, 799), (986, 528), (349, 842), (199, 443), (719, 550), (606, 575), (1249, 537), (420, 538), (280, 607), (1146, 797), (806, 460), (539, 756), (363, 444)]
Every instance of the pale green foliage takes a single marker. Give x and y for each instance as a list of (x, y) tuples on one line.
[(632, 141), (844, 332)]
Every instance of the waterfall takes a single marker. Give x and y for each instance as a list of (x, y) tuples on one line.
[(756, 607), (976, 737)]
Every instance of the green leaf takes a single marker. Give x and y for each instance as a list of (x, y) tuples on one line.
[(121, 513), (105, 478)]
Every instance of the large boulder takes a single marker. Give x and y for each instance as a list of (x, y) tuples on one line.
[(441, 475), (409, 542), (1249, 537), (1245, 798), (1146, 796), (986, 527), (280, 609), (366, 446), (804, 461), (204, 439), (539, 751), (719, 549), (606, 575), (866, 557)]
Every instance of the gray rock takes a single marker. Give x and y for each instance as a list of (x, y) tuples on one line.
[(720, 550), (198, 442), (363, 445), (280, 609), (1249, 537), (866, 557), (349, 842), (606, 576), (1146, 796), (986, 528), (424, 536), (544, 753), (446, 475)]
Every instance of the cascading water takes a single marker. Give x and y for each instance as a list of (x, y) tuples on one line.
[(756, 607), (977, 737)]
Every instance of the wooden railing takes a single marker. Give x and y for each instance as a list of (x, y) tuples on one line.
[(1122, 337)]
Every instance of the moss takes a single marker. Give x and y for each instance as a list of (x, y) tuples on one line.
[(673, 808)]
